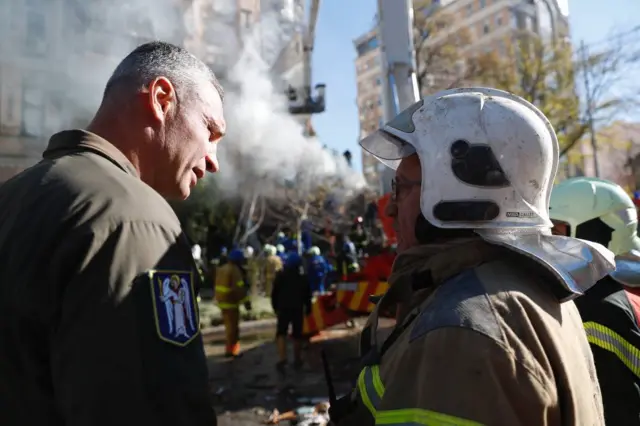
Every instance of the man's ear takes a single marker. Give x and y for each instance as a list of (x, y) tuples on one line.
[(161, 98)]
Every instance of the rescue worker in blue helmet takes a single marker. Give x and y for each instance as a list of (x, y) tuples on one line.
[(291, 301), (317, 270), (486, 328), (231, 291), (601, 211), (282, 254)]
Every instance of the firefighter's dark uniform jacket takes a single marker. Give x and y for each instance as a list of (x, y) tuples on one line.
[(611, 313), (481, 341), (85, 247), (291, 291)]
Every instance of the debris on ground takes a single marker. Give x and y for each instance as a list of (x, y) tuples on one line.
[(247, 391)]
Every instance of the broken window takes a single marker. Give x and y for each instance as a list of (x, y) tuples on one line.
[(54, 118), (32, 107)]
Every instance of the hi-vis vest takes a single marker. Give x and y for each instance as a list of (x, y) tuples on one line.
[(230, 288)]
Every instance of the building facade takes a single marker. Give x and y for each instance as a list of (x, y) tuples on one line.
[(57, 55), (491, 26), (369, 74)]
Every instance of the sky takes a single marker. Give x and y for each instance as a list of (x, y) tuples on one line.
[(342, 21)]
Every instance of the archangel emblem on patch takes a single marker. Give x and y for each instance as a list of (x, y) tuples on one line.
[(174, 306)]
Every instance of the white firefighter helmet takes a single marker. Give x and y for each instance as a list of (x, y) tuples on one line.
[(488, 158), (579, 200), (488, 161), (248, 252), (314, 251), (280, 248), (269, 249)]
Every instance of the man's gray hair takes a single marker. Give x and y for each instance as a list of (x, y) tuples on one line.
[(160, 59)]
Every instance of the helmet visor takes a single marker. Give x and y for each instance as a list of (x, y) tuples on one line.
[(387, 148)]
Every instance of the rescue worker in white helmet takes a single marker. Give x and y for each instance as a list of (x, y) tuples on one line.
[(486, 330), (271, 266), (601, 211)]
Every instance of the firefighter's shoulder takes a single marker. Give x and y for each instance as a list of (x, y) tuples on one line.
[(461, 302), (494, 299), (464, 336)]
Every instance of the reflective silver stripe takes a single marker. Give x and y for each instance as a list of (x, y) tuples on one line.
[(347, 286), (609, 340)]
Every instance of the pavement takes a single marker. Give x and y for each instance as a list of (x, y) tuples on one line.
[(210, 315), (247, 328), (247, 389)]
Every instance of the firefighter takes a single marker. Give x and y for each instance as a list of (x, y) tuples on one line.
[(358, 236), (347, 261), (601, 211), (317, 271), (486, 330), (291, 245), (272, 265), (231, 291), (281, 253), (281, 238), (291, 301)]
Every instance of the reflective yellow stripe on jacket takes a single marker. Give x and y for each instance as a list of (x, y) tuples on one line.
[(371, 391), (609, 340), (224, 289)]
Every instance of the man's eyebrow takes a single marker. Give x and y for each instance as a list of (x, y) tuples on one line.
[(219, 129), (215, 126)]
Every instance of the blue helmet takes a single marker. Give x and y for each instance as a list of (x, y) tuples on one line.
[(236, 255), (293, 260)]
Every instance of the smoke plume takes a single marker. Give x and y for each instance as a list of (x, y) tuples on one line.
[(264, 147), (265, 143)]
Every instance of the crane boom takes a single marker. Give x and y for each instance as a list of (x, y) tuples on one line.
[(400, 83), (302, 100), (309, 41)]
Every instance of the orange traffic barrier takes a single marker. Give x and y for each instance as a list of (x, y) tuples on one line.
[(325, 313), (354, 296)]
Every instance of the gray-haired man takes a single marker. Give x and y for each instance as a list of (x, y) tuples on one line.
[(98, 297)]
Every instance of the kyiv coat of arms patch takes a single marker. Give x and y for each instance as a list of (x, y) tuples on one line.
[(174, 306)]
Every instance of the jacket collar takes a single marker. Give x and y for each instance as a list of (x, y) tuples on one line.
[(75, 141)]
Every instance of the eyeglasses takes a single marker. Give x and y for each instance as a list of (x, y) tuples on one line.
[(395, 185)]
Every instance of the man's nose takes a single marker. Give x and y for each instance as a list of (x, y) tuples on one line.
[(212, 163), (211, 158)]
